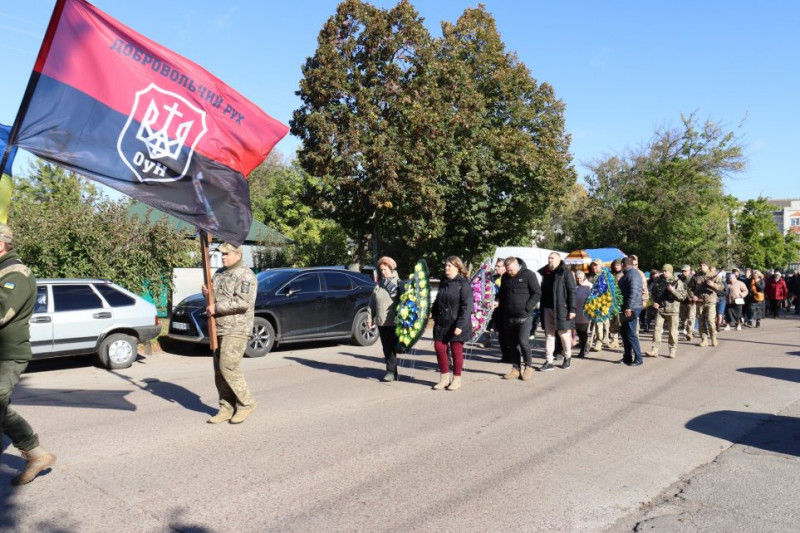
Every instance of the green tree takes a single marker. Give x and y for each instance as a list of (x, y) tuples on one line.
[(428, 147), (506, 153), (758, 243), (361, 93), (64, 228), (281, 196), (665, 201)]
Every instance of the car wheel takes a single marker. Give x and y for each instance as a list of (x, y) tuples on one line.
[(263, 338), (362, 335), (118, 351)]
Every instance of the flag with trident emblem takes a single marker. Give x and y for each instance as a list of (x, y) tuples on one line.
[(108, 103)]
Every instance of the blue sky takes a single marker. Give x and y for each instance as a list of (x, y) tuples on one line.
[(623, 68)]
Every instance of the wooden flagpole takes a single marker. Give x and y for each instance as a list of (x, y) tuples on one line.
[(205, 240)]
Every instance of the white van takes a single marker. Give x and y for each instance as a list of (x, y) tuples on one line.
[(535, 258)]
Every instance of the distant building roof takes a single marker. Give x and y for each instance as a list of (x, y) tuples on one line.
[(782, 202), (259, 232)]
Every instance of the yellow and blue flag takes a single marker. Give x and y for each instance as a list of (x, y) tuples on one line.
[(5, 131), (5, 176)]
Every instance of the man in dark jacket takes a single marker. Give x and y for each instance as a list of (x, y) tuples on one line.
[(518, 295), (557, 309), (793, 284), (631, 287), (17, 299)]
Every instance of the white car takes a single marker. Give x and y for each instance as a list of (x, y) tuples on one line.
[(90, 316)]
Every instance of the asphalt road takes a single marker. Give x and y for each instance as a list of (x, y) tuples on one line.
[(705, 442)]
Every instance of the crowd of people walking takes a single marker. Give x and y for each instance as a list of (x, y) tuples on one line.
[(692, 303)]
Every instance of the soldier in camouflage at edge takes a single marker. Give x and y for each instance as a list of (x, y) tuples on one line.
[(688, 311), (704, 287), (17, 302), (235, 288), (668, 293)]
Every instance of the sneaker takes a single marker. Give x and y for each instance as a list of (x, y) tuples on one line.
[(565, 365), (545, 367), (727, 327), (738, 327)]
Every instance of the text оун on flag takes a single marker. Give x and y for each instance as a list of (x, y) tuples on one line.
[(108, 103)]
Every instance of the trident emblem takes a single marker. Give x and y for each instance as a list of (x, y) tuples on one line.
[(170, 126)]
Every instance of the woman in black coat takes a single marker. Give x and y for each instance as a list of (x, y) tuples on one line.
[(452, 322)]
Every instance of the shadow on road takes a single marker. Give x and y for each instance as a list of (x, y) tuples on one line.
[(184, 349), (60, 363), (178, 522), (172, 393), (10, 466), (110, 399), (91, 399), (773, 433), (787, 374), (346, 370)]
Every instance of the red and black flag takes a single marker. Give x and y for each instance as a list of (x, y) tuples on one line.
[(108, 103)]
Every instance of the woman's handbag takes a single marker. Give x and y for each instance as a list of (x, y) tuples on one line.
[(739, 301)]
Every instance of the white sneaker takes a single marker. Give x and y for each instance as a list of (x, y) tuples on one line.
[(727, 327), (738, 327)]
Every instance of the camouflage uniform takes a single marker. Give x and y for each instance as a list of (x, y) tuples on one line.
[(234, 300), (704, 288), (688, 311), (17, 298), (669, 305), (17, 302)]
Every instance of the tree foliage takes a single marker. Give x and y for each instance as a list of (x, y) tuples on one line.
[(665, 201), (65, 228), (430, 146), (759, 243), (281, 196)]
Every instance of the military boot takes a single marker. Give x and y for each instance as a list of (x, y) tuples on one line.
[(38, 460), (614, 343), (703, 341), (672, 352), (223, 415), (514, 374), (714, 341), (444, 381), (242, 412)]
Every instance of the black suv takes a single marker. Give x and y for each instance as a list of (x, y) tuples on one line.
[(292, 304)]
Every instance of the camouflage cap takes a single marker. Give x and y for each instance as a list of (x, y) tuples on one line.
[(6, 235), (667, 268), (228, 248)]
